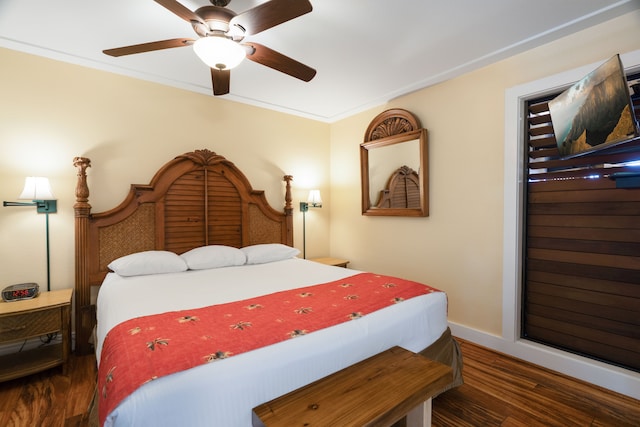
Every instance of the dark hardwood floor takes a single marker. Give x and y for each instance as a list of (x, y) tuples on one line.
[(502, 391), (50, 399), (498, 391)]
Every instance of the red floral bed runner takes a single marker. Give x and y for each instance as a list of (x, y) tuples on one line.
[(143, 349)]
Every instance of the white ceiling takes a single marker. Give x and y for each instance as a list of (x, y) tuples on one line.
[(366, 52)]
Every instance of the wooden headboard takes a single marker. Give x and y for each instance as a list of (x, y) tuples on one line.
[(199, 198), (402, 191)]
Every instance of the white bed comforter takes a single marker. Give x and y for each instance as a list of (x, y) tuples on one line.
[(223, 393)]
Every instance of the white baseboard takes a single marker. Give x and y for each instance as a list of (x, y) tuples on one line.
[(592, 371)]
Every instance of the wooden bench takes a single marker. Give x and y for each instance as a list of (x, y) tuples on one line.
[(378, 391)]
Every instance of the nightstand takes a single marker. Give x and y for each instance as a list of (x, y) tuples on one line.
[(337, 262), (48, 313)]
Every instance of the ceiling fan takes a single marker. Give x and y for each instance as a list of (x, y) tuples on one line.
[(221, 32)]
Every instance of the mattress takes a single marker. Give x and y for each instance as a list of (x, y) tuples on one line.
[(224, 393)]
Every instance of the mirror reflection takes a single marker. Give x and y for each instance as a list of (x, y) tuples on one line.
[(392, 166)]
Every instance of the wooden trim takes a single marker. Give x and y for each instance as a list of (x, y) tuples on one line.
[(391, 122)]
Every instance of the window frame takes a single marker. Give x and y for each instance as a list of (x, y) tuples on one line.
[(510, 342)]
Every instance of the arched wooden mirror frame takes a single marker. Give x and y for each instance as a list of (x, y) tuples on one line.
[(394, 126)]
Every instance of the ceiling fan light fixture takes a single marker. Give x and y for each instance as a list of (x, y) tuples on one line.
[(219, 52)]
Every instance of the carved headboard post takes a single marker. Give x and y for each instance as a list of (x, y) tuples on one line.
[(82, 208), (288, 209)]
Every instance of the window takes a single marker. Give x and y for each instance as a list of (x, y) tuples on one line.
[(581, 245)]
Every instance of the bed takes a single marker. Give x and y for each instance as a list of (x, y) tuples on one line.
[(200, 209)]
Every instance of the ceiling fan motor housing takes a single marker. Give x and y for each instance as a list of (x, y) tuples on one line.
[(217, 21)]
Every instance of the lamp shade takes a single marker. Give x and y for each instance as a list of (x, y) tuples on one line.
[(36, 188), (314, 199), (219, 52)]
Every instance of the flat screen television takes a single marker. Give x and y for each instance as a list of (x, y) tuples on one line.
[(595, 113)]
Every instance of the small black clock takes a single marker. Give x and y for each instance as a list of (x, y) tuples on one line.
[(20, 291)]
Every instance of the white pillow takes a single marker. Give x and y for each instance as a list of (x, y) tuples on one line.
[(148, 262), (268, 252), (213, 256)]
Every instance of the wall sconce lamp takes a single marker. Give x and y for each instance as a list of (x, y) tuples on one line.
[(314, 201), (38, 190)]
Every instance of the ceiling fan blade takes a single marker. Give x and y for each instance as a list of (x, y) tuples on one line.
[(148, 47), (180, 10), (220, 79), (270, 14), (272, 59)]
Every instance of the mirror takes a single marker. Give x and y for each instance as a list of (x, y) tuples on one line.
[(394, 168)]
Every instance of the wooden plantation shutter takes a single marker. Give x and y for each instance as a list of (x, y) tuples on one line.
[(581, 284)]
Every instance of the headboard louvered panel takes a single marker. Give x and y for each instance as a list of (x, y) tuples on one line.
[(184, 213), (198, 198), (402, 191), (225, 211)]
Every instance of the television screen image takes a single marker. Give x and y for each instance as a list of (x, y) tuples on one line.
[(594, 113)]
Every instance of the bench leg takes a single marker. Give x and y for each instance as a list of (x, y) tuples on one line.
[(420, 416)]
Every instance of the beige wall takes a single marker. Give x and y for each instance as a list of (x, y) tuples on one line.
[(51, 112), (458, 248)]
